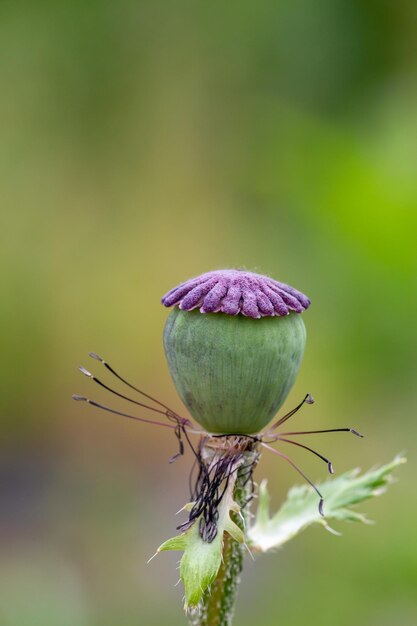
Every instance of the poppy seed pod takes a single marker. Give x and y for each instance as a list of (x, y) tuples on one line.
[(234, 343)]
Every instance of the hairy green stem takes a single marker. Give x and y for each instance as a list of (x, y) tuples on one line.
[(218, 605)]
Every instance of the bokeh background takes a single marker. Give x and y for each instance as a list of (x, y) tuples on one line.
[(143, 143)]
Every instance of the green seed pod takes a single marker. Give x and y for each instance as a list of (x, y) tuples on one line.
[(234, 371)]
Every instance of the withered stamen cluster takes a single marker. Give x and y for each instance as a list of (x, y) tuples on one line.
[(219, 459)]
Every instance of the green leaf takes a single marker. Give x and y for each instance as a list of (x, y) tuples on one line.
[(301, 507), (201, 561)]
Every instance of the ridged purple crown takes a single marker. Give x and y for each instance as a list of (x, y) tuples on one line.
[(237, 291)]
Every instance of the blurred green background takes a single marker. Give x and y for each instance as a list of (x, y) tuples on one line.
[(146, 142)]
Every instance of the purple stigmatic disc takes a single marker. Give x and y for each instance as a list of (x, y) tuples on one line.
[(237, 292)]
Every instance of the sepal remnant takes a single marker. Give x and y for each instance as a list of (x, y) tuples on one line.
[(201, 560)]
